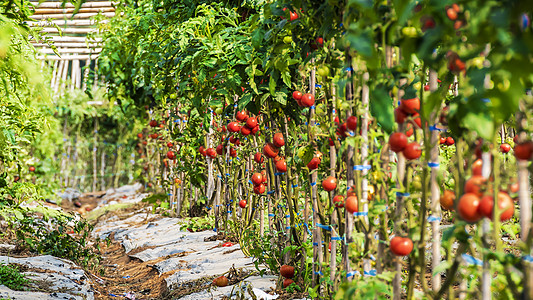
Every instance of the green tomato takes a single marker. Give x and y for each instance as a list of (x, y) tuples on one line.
[(173, 96), (219, 111), (409, 32), (417, 183), (323, 71), (417, 86), (287, 39)]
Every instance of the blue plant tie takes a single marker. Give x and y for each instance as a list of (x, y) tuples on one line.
[(361, 167), (174, 203), (278, 174), (126, 277), (471, 260), (318, 85), (361, 213), (351, 274), (528, 258), (228, 174), (371, 273), (485, 100), (208, 208), (349, 68), (271, 215), (249, 181), (435, 128), (312, 107), (169, 194), (230, 200), (313, 183), (325, 227), (229, 211), (287, 216), (271, 192), (337, 238), (294, 185), (319, 273), (433, 164), (214, 229), (288, 227), (315, 244), (433, 218), (400, 194)]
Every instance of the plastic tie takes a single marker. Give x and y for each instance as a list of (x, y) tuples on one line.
[(435, 128), (319, 273), (485, 100), (348, 69), (400, 194), (126, 277), (174, 203), (278, 174), (294, 185), (351, 274), (434, 218), (433, 164), (169, 194), (229, 211), (325, 227), (472, 260), (371, 273), (287, 216), (361, 167), (318, 85), (528, 258), (112, 295), (337, 238), (214, 229), (313, 183), (333, 111), (288, 227), (271, 192), (208, 208), (271, 215), (312, 107), (315, 244), (250, 182), (360, 213), (228, 174)]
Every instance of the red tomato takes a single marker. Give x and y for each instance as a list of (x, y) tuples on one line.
[(308, 100), (281, 166), (154, 136), (257, 178), (451, 13), (447, 200), (297, 95), (258, 158), (449, 141), (401, 246), (468, 208), (32, 169), (412, 151), (351, 204), (417, 121), (241, 115), (293, 15), (202, 150), (245, 130), (211, 152), (221, 281), (505, 148), (153, 123), (255, 130), (259, 189), (399, 116), (220, 149), (232, 152), (287, 282), (523, 151), (442, 140), (397, 141), (331, 142), (329, 184), (409, 130), (338, 201), (505, 205), (171, 155), (477, 167), (251, 122), (234, 127), (278, 140), (286, 271), (170, 145), (242, 203), (410, 106), (475, 184), (313, 164), (341, 130), (351, 123), (140, 135), (270, 150)]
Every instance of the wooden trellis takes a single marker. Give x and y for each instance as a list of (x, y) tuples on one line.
[(77, 53)]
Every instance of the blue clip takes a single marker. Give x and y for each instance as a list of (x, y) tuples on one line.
[(271, 192), (319, 273), (313, 183), (318, 86), (400, 194), (471, 260), (278, 174), (348, 69), (371, 273), (435, 128), (362, 213), (312, 107), (433, 218), (315, 244), (229, 211), (528, 258), (271, 215), (351, 274), (337, 238), (361, 167), (288, 227), (287, 216), (433, 164), (325, 227), (294, 185), (249, 181)]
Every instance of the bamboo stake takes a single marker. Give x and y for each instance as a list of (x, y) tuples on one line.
[(332, 169), (364, 159), (95, 141), (349, 220)]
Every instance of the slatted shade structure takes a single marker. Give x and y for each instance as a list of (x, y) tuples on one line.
[(77, 53)]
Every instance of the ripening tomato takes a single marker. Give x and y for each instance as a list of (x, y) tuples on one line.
[(341, 130), (338, 201), (410, 106), (397, 142), (451, 13), (154, 136), (242, 203), (297, 95), (211, 152), (351, 204), (220, 149), (270, 150), (409, 130), (286, 271), (505, 205), (351, 123), (241, 115), (251, 122), (313, 164), (281, 166), (278, 140), (447, 200), (308, 100), (505, 148), (468, 208), (171, 155), (401, 246), (258, 158), (259, 189), (475, 185), (257, 178), (153, 123), (412, 151), (399, 115), (523, 151), (329, 184)]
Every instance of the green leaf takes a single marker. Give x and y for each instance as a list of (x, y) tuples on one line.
[(442, 267), (281, 97), (381, 108)]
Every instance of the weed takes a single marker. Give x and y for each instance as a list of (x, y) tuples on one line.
[(11, 277)]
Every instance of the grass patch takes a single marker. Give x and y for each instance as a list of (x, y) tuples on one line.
[(95, 214), (11, 277)]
